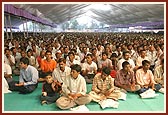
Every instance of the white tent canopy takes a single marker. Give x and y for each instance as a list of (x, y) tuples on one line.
[(107, 13)]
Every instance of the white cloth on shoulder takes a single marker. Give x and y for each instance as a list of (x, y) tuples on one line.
[(108, 103), (148, 94), (6, 87), (80, 108)]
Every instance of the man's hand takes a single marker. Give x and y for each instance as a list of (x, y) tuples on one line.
[(103, 97), (44, 93), (145, 86), (153, 86), (74, 95), (108, 92), (53, 86), (133, 87), (19, 84)]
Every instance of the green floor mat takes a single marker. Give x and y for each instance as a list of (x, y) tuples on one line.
[(133, 103)]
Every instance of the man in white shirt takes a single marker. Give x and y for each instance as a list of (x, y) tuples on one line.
[(9, 59), (62, 71), (89, 69), (126, 57), (72, 60), (140, 59), (152, 56), (8, 76), (74, 90), (159, 74), (104, 62), (7, 71)]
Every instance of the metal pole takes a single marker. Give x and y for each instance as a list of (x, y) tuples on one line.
[(11, 35), (33, 27), (24, 29), (6, 28)]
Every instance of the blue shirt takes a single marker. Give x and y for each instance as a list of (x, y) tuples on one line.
[(29, 75)]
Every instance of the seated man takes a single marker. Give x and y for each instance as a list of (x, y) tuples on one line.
[(145, 78), (126, 57), (47, 65), (104, 62), (62, 71), (103, 86), (125, 78), (28, 77), (71, 60), (8, 75), (74, 90), (89, 69), (159, 74)]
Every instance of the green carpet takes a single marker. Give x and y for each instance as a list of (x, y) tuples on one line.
[(31, 102)]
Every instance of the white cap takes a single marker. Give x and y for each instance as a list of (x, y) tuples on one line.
[(59, 51)]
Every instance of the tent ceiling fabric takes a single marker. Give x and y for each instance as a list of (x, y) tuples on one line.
[(116, 14), (15, 22)]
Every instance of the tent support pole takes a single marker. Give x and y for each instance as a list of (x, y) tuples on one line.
[(11, 35), (6, 27), (33, 27), (26, 29)]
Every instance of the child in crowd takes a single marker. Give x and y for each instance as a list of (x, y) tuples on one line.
[(51, 90)]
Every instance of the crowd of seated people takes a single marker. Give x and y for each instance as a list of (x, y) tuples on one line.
[(111, 62)]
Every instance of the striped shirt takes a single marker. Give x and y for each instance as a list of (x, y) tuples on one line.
[(100, 85)]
